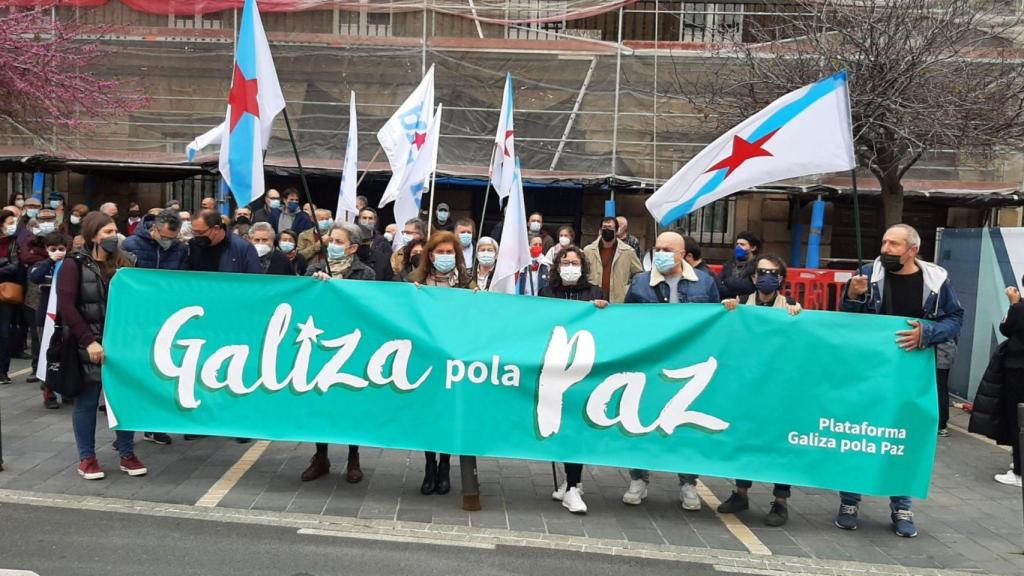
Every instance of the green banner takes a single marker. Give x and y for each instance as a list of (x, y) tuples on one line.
[(823, 399)]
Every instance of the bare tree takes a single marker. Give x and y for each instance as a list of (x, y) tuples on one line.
[(924, 75)]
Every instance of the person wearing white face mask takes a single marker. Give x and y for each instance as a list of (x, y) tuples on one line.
[(442, 219), (40, 274), (671, 281), (535, 227), (287, 241), (343, 242), (486, 257), (569, 281), (32, 249), (566, 238), (465, 229), (389, 233), (272, 261)]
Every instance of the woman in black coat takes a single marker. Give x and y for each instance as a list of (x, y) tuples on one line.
[(568, 280), (1002, 388)]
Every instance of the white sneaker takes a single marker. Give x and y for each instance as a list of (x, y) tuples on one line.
[(1010, 479), (636, 493), (688, 496), (573, 501), (560, 493)]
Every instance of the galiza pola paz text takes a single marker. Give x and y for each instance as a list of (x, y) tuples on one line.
[(752, 393)]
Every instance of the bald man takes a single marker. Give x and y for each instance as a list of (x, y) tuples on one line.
[(308, 247), (671, 281)]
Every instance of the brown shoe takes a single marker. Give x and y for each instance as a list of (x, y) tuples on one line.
[(354, 473), (318, 466)]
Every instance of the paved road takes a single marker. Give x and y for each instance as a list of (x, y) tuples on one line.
[(57, 542)]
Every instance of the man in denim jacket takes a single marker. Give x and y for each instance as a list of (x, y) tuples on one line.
[(671, 281), (897, 283)]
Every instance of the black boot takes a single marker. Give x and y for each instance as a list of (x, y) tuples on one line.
[(429, 478), (444, 482)]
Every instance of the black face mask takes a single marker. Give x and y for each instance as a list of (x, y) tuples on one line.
[(891, 263), (607, 234), (363, 252), (201, 242), (415, 260), (242, 220), (109, 244)]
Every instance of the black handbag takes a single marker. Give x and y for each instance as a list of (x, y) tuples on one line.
[(65, 370)]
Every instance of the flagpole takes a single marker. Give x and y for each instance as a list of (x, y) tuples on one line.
[(487, 195), (433, 190), (856, 219), (305, 185)]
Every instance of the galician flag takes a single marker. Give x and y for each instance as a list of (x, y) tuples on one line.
[(49, 325), (416, 177), (347, 191), (212, 136), (805, 132), (255, 99), (514, 254), (403, 135), (503, 162)]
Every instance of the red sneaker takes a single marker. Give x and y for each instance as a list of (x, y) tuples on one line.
[(89, 469), (133, 466)]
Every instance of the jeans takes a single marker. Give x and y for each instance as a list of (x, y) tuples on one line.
[(780, 490), (645, 475), (942, 379), (7, 312), (83, 420), (895, 502)]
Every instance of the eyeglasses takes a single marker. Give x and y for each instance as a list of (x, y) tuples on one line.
[(767, 272)]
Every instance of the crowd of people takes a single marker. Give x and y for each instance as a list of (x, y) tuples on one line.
[(282, 237)]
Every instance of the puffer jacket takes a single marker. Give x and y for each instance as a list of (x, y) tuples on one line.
[(988, 412), (149, 254)]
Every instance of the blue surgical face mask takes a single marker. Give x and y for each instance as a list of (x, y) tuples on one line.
[(486, 257), (335, 252), (466, 239), (275, 204), (442, 216), (54, 204), (664, 261), (444, 263), (286, 247), (32, 212), (293, 206), (767, 284), (324, 225), (741, 253), (47, 227)]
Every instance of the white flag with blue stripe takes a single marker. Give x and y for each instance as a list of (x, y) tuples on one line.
[(805, 132)]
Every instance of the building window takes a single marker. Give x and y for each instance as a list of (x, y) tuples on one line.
[(213, 21), (711, 22), (362, 22), (712, 225), (191, 191), (534, 10)]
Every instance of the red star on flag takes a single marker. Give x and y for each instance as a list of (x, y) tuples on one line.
[(743, 151), (242, 97), (419, 139), (508, 134)]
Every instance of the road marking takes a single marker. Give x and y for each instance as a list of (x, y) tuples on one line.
[(988, 441), (528, 541), (21, 372), (17, 573), (220, 489), (392, 538), (733, 524)]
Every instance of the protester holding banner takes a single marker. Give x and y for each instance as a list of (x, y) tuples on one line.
[(271, 260), (569, 281), (671, 281), (214, 249), (734, 281), (343, 241), (612, 263), (442, 267), (898, 283), (82, 288), (769, 277), (287, 240), (486, 256)]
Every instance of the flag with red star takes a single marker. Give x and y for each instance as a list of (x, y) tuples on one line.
[(805, 132), (254, 101), (416, 178), (503, 163), (405, 133)]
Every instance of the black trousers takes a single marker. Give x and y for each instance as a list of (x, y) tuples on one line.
[(942, 379)]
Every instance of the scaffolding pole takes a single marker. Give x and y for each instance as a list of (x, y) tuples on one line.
[(575, 112), (615, 117)]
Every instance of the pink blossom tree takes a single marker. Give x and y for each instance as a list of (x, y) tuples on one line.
[(46, 80)]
